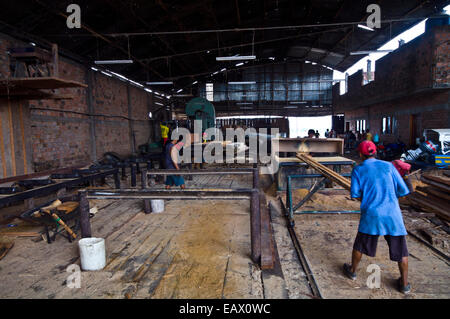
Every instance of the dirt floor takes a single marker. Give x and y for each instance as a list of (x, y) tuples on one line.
[(327, 241), (201, 249)]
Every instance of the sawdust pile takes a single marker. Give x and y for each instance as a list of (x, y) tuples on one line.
[(272, 190), (324, 202), (200, 256)]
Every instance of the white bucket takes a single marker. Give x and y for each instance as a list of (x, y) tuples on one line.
[(157, 205), (92, 253)]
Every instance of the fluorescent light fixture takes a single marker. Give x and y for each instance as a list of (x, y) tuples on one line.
[(236, 58), (223, 70), (94, 69), (240, 64), (370, 52), (291, 107), (159, 83), (182, 95), (158, 96), (242, 83), (110, 75), (33, 44), (148, 90), (195, 82), (272, 58), (157, 93), (136, 83), (316, 50), (334, 80), (306, 61), (120, 76), (362, 26), (159, 103), (180, 90), (313, 63), (217, 72), (114, 62), (168, 97)]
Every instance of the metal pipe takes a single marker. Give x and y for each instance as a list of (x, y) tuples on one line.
[(85, 224), (316, 175), (116, 180), (223, 194), (328, 212), (133, 175), (256, 178), (201, 172)]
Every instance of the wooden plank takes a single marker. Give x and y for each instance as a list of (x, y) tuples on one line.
[(40, 83), (11, 139), (2, 149), (435, 183), (5, 248), (433, 191), (424, 202), (437, 179), (22, 131), (327, 172), (313, 145), (267, 244), (20, 234)]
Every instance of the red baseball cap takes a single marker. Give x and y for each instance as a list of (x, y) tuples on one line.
[(367, 148)]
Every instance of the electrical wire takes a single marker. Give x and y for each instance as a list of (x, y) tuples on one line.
[(86, 114), (291, 27)]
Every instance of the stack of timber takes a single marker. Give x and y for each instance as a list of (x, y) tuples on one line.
[(435, 197), (327, 172)]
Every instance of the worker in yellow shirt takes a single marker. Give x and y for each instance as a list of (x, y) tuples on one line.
[(368, 135), (164, 132)]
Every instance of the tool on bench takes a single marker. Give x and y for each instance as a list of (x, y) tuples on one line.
[(50, 210)]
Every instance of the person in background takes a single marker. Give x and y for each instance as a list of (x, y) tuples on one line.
[(352, 140), (376, 139), (404, 169), (368, 135), (171, 162), (317, 134), (332, 134), (311, 133), (327, 133), (378, 185), (164, 132)]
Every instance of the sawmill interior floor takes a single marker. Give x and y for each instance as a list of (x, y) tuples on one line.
[(201, 249)]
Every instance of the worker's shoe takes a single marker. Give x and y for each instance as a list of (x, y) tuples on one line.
[(403, 289), (348, 272)]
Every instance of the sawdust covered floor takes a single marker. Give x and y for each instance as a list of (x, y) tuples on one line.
[(195, 249), (327, 241)]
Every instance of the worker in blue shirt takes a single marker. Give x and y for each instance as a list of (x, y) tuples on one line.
[(378, 185)]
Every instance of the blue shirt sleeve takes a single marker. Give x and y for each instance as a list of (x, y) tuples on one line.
[(401, 189), (356, 187)]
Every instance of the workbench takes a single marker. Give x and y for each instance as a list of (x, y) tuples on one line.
[(58, 185)]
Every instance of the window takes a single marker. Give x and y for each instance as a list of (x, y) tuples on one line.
[(210, 92), (388, 124), (361, 126)]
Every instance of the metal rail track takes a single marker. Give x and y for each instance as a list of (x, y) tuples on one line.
[(301, 256)]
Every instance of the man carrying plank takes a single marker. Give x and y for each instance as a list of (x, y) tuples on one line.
[(378, 185)]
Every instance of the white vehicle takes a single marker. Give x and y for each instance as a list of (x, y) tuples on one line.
[(444, 138)]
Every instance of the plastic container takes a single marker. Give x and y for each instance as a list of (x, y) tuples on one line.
[(92, 253), (157, 206)]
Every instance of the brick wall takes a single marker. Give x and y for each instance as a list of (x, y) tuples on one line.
[(60, 133), (410, 86)]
